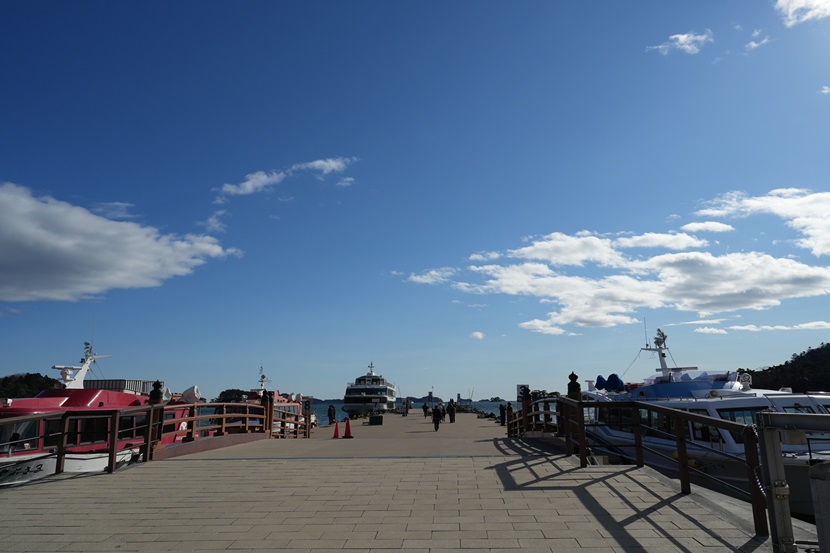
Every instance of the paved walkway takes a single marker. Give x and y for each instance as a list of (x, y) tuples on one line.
[(396, 487)]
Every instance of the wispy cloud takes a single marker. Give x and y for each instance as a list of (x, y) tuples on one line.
[(478, 335), (114, 210), (595, 280), (433, 276), (755, 44), (262, 181), (689, 43), (53, 250), (214, 223), (794, 12), (825, 90)]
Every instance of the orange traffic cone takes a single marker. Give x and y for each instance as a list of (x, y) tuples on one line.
[(336, 430), (348, 433)]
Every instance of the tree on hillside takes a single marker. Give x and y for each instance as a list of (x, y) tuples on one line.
[(807, 371), (233, 395), (25, 385)]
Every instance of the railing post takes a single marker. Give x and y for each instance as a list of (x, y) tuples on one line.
[(583, 438), (775, 482), (221, 411), (682, 455), (59, 462), (638, 435), (115, 419), (191, 426), (756, 492)]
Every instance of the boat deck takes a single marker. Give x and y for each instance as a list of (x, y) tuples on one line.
[(399, 486)]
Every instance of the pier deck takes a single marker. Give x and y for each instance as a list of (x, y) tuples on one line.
[(395, 487)]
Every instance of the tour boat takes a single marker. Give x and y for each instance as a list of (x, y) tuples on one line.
[(370, 393), (727, 396), (28, 446)]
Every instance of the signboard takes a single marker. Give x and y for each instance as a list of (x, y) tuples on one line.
[(522, 392), (308, 405)]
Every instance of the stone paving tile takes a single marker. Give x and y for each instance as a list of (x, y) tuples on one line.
[(336, 497)]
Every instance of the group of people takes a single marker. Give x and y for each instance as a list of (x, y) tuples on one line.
[(440, 413)]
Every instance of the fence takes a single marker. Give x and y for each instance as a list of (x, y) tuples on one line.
[(42, 443)]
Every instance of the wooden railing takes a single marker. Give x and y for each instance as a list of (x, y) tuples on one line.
[(150, 432), (571, 420)]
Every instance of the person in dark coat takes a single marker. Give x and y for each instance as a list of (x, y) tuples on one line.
[(451, 410), (502, 413), (332, 413), (426, 409), (436, 417)]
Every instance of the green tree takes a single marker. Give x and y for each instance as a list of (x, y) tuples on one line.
[(233, 395), (25, 385)]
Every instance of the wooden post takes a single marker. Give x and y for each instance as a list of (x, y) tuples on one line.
[(682, 456), (115, 419), (638, 436), (576, 418)]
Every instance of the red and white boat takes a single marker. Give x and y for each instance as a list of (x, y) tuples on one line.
[(28, 445)]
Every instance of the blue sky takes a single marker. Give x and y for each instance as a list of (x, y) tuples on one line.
[(470, 195)]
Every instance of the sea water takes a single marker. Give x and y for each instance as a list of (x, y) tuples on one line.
[(321, 409)]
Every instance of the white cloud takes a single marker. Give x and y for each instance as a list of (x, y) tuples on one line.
[(802, 210), (326, 166), (262, 181), (345, 182), (484, 256), (560, 249), (114, 210), (794, 12), (214, 223), (813, 325), (588, 280), (672, 241), (710, 330), (707, 226), (253, 183), (755, 44), (689, 43), (478, 335), (825, 90), (434, 276), (53, 250)]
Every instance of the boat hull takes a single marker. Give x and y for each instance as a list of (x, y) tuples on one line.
[(23, 469)]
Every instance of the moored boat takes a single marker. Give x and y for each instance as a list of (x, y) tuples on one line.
[(724, 395), (370, 393), (31, 429)]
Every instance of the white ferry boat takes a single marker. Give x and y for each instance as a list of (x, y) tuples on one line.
[(727, 396), (370, 393)]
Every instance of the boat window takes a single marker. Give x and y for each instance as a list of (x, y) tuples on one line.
[(22, 436), (659, 425), (94, 430), (798, 408), (741, 416), (618, 417), (703, 432)]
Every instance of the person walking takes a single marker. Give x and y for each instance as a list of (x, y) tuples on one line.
[(332, 413), (502, 413), (436, 417), (451, 410), (426, 409)]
